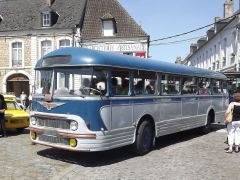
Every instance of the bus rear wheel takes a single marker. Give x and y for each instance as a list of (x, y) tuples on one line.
[(144, 138)]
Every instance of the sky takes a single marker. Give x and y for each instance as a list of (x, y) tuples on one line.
[(164, 18)]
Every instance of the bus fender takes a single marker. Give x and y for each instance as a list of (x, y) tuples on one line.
[(210, 109)]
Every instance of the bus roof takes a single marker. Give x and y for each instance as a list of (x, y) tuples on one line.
[(88, 57)]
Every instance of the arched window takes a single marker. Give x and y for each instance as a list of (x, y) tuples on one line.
[(17, 54), (46, 47)]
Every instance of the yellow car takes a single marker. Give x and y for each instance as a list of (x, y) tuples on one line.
[(15, 117)]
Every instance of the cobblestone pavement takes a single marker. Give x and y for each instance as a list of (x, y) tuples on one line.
[(187, 155)]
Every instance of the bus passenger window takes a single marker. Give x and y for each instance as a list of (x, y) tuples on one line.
[(170, 84), (189, 85), (216, 88), (144, 83), (120, 82), (204, 86)]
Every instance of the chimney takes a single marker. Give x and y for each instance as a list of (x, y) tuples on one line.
[(50, 2), (178, 60), (228, 8)]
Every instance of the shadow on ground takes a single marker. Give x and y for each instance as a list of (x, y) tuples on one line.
[(94, 159), (13, 132)]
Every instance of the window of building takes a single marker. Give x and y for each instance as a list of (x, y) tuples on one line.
[(64, 43), (46, 19), (217, 68), (214, 66), (215, 52), (225, 47), (109, 27), (46, 47), (17, 54), (232, 59), (144, 83), (170, 84)]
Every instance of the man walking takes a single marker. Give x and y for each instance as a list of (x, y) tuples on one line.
[(23, 98)]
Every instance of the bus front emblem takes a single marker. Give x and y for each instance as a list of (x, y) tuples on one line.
[(50, 106)]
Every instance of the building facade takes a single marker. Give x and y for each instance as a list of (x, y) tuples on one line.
[(29, 29), (219, 49)]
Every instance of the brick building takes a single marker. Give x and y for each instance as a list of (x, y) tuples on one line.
[(31, 28)]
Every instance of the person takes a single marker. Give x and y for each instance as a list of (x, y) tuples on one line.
[(23, 98), (3, 106), (30, 100), (233, 128), (150, 88), (139, 88), (125, 87), (114, 85), (85, 87)]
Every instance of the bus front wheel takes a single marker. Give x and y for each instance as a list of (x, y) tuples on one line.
[(144, 138)]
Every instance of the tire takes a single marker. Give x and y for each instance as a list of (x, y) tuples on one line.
[(144, 139), (20, 130)]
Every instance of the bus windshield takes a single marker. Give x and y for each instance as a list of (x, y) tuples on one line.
[(84, 81)]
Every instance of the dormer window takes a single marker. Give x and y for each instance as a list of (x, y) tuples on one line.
[(49, 17), (1, 18), (46, 17), (109, 25)]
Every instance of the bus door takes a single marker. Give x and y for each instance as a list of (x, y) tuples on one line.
[(189, 99), (121, 105)]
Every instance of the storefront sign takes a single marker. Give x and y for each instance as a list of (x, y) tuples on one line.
[(118, 47)]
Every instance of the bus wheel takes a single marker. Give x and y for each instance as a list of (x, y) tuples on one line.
[(144, 138)]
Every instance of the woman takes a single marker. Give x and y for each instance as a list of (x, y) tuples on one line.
[(2, 109), (233, 127)]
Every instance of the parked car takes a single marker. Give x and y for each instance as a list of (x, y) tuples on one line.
[(14, 98), (15, 117)]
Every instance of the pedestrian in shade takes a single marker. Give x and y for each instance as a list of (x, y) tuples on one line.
[(3, 107)]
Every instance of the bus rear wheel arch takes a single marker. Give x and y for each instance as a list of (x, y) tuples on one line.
[(210, 119), (145, 137)]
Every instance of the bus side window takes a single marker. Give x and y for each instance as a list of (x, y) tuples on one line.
[(189, 85), (204, 86), (170, 84), (144, 83), (120, 82)]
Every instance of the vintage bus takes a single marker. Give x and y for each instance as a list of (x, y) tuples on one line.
[(86, 100)]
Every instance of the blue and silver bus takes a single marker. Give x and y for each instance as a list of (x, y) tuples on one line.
[(86, 100)]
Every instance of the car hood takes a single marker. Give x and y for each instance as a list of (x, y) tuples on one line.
[(16, 113)]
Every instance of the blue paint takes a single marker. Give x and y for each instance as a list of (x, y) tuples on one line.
[(84, 57), (88, 110)]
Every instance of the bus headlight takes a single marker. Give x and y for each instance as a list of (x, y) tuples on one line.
[(73, 125), (33, 121)]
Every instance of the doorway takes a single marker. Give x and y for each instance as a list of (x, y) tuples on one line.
[(17, 83)]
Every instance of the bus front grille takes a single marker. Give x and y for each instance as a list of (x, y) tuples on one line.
[(53, 139), (54, 123)]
